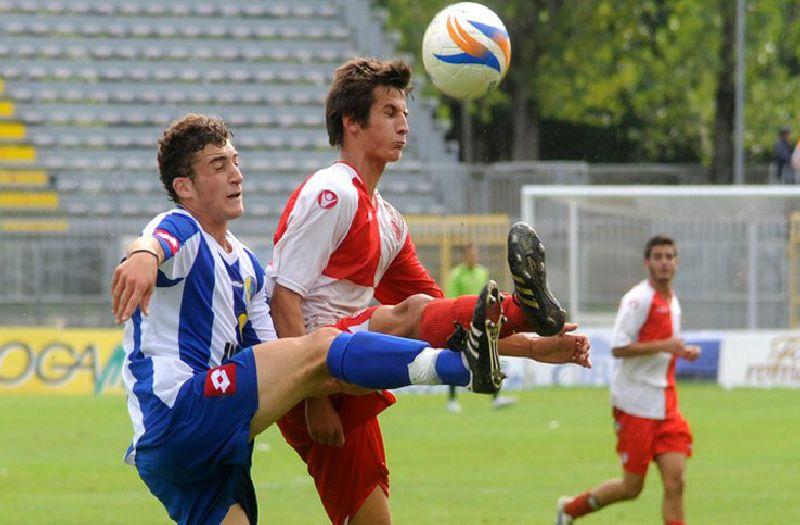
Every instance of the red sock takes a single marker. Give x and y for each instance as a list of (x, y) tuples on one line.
[(517, 320), (579, 506), (438, 316), (681, 522)]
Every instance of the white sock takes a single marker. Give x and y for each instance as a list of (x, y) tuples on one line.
[(422, 370)]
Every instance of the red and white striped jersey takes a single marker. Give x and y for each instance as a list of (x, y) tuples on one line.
[(644, 386), (338, 247)]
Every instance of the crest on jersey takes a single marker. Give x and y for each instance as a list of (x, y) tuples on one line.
[(327, 199), (249, 289)]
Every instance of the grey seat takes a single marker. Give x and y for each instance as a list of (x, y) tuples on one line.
[(300, 9), (143, 71), (163, 49)]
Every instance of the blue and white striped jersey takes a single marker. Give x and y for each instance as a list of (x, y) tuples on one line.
[(207, 304)]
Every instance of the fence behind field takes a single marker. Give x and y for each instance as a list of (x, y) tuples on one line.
[(63, 280)]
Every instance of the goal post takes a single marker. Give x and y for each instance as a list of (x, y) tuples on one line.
[(734, 244)]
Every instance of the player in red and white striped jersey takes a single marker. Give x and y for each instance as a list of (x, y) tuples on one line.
[(648, 424), (338, 245)]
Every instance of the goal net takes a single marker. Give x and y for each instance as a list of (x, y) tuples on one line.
[(734, 246)]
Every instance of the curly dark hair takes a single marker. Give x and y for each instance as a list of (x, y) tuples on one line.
[(181, 140), (351, 92)]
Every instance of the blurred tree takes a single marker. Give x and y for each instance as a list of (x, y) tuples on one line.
[(773, 73), (628, 80)]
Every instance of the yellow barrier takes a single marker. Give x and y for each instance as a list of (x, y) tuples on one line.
[(36, 178), (52, 361), (12, 130), (23, 200), (17, 152), (6, 108), (35, 225)]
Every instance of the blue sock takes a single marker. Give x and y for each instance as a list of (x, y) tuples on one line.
[(376, 360), (450, 367)]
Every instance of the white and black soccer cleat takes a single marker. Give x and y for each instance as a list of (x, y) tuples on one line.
[(479, 343), (526, 263)]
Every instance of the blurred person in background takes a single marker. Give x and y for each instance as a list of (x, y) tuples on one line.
[(784, 170), (467, 278), (648, 424)]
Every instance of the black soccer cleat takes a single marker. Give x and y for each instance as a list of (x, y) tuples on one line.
[(526, 262), (479, 344)]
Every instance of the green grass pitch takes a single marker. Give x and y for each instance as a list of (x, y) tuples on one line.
[(61, 461)]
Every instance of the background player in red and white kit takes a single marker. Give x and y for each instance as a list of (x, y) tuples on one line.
[(339, 245), (648, 424)]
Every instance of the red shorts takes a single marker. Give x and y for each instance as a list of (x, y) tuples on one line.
[(639, 439), (344, 476)]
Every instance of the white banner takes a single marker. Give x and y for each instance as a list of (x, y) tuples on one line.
[(731, 358), (759, 359)]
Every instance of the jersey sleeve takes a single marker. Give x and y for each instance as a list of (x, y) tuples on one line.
[(405, 277), (631, 316), (178, 235), (319, 221)]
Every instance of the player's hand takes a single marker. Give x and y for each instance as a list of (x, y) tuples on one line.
[(562, 348), (324, 423), (691, 352), (675, 346), (132, 285)]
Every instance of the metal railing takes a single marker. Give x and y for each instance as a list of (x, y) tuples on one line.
[(794, 271)]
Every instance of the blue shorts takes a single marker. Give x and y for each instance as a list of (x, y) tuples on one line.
[(202, 465)]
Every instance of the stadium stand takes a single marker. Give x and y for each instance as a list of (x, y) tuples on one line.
[(87, 86)]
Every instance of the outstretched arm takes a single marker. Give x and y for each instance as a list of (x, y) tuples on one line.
[(673, 345), (561, 348), (135, 277)]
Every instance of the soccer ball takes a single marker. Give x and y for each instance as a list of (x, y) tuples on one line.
[(466, 50)]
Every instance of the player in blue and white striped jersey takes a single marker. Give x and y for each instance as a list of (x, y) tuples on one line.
[(210, 303), (201, 381)]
